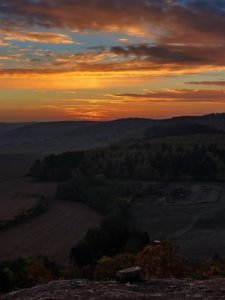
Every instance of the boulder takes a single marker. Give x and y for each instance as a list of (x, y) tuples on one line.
[(129, 275)]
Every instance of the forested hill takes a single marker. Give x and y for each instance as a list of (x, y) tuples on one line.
[(64, 136), (183, 129), (56, 137)]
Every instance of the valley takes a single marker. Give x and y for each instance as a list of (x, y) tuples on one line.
[(188, 211)]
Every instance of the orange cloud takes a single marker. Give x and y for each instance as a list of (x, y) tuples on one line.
[(167, 21), (39, 37), (132, 60), (152, 104), (179, 39), (212, 82), (176, 96)]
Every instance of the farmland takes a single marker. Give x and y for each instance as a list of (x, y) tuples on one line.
[(17, 192), (54, 232), (14, 166), (19, 195)]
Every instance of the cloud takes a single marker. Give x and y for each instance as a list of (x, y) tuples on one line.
[(183, 37), (213, 82), (132, 60), (176, 96), (5, 57), (165, 21), (176, 37), (36, 37), (115, 67), (174, 54), (123, 40), (4, 43), (62, 79)]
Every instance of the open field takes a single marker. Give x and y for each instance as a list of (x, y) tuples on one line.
[(193, 215), (53, 233), (13, 166), (21, 194), (17, 192)]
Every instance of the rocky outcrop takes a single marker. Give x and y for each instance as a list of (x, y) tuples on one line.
[(156, 289), (129, 275)]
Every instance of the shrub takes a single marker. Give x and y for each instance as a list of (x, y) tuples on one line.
[(212, 269), (162, 261), (107, 267)]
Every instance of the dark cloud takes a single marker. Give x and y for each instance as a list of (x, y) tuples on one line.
[(175, 54), (144, 59), (183, 34), (175, 95), (218, 5), (168, 21), (161, 54), (215, 83)]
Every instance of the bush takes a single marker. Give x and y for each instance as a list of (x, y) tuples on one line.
[(162, 261), (22, 273), (113, 237), (107, 267), (212, 269)]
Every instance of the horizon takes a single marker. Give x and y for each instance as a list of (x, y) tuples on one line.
[(113, 120), (69, 60)]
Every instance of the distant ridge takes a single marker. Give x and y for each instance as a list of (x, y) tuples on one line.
[(6, 127), (45, 137)]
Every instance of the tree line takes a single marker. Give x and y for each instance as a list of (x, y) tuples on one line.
[(140, 161)]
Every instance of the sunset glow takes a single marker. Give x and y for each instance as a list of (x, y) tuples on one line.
[(100, 60)]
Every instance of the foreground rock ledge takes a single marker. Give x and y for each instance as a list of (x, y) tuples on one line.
[(156, 289)]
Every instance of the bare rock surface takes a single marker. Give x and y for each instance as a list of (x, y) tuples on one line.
[(129, 275), (156, 289)]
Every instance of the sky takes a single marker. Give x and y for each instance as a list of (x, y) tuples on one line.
[(111, 59)]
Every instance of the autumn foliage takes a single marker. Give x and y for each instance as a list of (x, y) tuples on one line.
[(162, 261)]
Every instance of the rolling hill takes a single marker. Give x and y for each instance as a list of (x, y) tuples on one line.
[(25, 142), (58, 137), (65, 136)]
